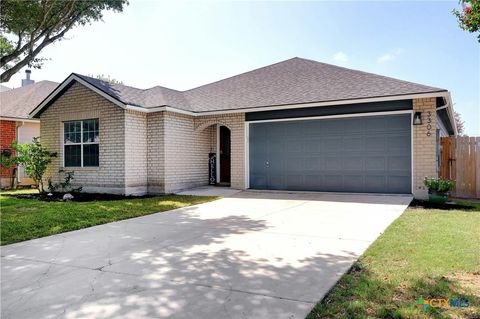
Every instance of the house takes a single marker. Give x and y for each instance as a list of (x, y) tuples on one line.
[(15, 124), (295, 125)]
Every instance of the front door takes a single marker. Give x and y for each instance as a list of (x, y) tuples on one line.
[(224, 155)]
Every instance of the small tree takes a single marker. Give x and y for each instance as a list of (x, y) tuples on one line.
[(469, 16), (35, 159), (459, 123), (106, 78)]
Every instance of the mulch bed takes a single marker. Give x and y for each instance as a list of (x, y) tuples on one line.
[(77, 197), (447, 206)]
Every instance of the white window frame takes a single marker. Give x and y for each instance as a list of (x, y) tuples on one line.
[(81, 142)]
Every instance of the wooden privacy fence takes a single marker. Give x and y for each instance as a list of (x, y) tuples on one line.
[(460, 161)]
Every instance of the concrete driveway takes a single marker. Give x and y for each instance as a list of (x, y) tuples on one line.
[(252, 255)]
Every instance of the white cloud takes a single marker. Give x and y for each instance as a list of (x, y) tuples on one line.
[(390, 56), (340, 57)]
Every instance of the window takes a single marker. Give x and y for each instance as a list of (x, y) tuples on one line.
[(81, 141)]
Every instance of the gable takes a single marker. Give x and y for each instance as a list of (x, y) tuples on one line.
[(64, 87), (77, 101)]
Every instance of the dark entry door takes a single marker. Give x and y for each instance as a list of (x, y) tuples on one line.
[(224, 155), (370, 154)]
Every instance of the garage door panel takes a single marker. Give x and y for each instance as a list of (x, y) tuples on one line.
[(396, 184), (375, 124), (399, 163), (363, 154), (353, 163), (398, 122), (375, 163), (333, 163), (353, 143), (376, 183)]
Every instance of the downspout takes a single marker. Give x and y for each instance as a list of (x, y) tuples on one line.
[(19, 124)]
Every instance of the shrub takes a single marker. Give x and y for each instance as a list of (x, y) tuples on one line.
[(64, 186), (438, 184), (35, 159)]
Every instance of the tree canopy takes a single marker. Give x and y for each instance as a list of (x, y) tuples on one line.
[(469, 16), (26, 27)]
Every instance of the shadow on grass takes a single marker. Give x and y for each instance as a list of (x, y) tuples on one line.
[(457, 205), (360, 294)]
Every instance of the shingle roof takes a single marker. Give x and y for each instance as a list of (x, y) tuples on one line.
[(21, 101), (4, 88), (152, 97), (297, 81), (293, 81)]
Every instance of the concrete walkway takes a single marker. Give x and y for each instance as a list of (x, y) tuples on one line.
[(251, 255)]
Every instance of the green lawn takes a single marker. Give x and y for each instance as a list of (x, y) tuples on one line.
[(23, 219), (425, 253)]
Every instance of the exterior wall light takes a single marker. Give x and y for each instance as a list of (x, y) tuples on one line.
[(417, 118)]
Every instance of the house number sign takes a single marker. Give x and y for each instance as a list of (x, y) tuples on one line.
[(429, 123)]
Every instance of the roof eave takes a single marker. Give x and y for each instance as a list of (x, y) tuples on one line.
[(35, 113)]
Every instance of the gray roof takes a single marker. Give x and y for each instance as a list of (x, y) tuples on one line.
[(152, 97), (19, 102), (4, 88), (293, 81)]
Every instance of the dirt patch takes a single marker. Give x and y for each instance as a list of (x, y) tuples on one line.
[(78, 197), (447, 206)]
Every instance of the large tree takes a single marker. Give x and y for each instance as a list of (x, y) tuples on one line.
[(26, 27), (469, 16)]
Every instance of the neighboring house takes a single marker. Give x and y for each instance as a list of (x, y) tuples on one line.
[(4, 88), (15, 105), (295, 125)]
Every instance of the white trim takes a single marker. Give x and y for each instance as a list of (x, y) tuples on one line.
[(59, 88), (329, 103), (450, 112), (247, 155), (18, 119), (73, 77), (159, 109), (217, 172), (333, 116), (411, 153), (80, 144)]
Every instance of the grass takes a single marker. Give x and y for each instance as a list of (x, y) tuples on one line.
[(24, 219), (427, 253)]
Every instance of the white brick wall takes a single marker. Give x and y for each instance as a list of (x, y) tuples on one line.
[(186, 152), (424, 146), (155, 153), (79, 103), (236, 124), (135, 153), (164, 152)]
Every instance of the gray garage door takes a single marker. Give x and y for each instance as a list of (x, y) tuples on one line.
[(362, 154)]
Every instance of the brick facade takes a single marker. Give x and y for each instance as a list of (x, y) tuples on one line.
[(163, 152), (424, 146), (140, 153), (236, 124), (8, 131), (80, 103), (136, 152)]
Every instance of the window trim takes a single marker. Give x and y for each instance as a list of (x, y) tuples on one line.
[(81, 143)]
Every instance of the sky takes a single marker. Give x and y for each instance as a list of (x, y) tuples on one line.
[(181, 45)]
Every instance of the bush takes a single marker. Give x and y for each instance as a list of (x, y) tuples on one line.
[(438, 184), (35, 159), (64, 186)]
